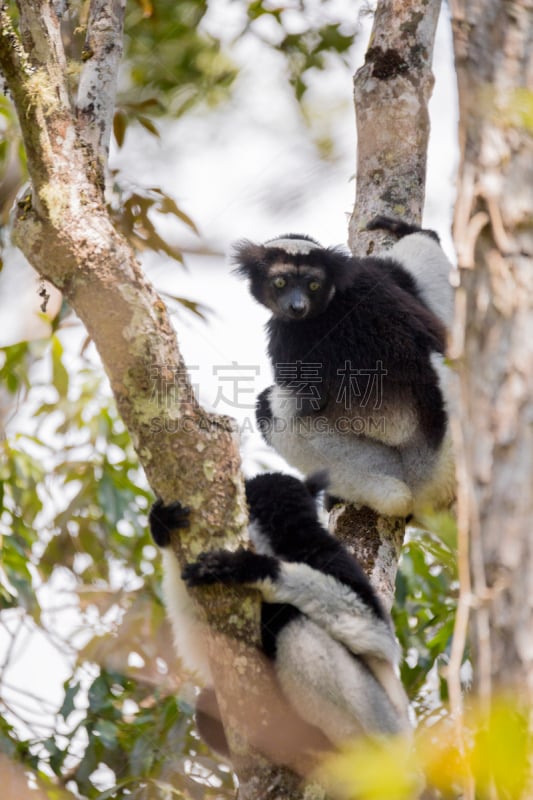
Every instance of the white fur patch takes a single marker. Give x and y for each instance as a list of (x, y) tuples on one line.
[(361, 470), (335, 607), (190, 637), (330, 688), (293, 245), (426, 261)]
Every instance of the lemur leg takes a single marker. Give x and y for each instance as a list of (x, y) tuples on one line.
[(318, 664), (361, 469), (189, 631), (334, 689)]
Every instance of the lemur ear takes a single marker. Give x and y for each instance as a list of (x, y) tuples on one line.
[(340, 265), (248, 257), (317, 482)]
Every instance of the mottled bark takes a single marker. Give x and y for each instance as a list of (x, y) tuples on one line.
[(391, 92), (493, 333), (97, 86)]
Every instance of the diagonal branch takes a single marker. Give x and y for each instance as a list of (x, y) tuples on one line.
[(14, 60)]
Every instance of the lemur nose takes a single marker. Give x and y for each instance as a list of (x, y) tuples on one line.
[(298, 308)]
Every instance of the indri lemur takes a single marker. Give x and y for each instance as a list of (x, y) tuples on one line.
[(332, 645), (357, 350)]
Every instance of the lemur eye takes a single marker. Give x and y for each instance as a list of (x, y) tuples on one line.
[(314, 285), (279, 283)]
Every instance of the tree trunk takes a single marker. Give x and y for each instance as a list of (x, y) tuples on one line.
[(392, 92), (493, 333)]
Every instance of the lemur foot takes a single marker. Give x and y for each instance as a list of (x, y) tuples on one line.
[(398, 227), (164, 519), (331, 500)]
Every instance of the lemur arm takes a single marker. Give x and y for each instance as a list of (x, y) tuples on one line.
[(332, 605)]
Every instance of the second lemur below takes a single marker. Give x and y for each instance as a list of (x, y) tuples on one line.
[(357, 348), (331, 642)]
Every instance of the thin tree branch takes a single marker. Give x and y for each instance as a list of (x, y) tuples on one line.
[(39, 27), (38, 87), (14, 61), (102, 53)]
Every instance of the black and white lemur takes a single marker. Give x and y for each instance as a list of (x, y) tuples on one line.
[(357, 349), (331, 643)]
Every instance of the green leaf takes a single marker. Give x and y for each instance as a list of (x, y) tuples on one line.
[(107, 731), (120, 125), (110, 497), (148, 125), (142, 755), (60, 377), (99, 699), (68, 705)]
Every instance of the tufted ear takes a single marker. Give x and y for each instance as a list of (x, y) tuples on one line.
[(317, 482), (249, 258), (340, 265)]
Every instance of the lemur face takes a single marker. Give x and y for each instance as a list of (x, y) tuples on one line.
[(295, 292)]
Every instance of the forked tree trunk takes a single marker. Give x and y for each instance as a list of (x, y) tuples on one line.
[(493, 334)]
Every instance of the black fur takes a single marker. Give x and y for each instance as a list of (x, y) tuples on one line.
[(376, 316), (163, 519), (263, 412), (225, 566), (374, 321), (286, 511), (399, 227), (285, 527)]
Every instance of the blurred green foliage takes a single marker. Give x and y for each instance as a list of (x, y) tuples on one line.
[(427, 589), (73, 504), (177, 60), (170, 57)]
